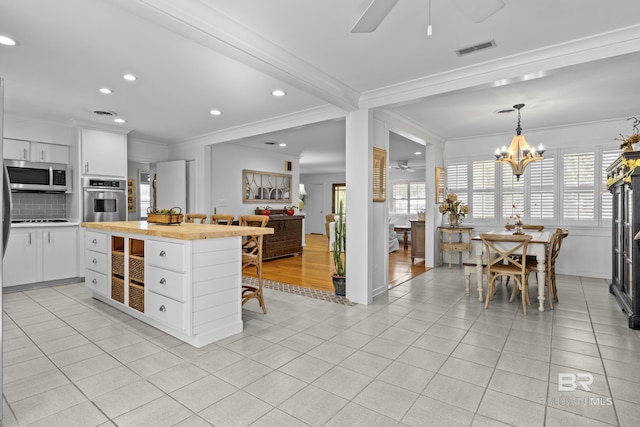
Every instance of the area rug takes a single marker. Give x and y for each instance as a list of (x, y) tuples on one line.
[(299, 290)]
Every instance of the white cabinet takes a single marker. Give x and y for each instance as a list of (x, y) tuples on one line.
[(96, 263), (40, 255), (103, 153), (18, 149), (50, 153), (21, 258)]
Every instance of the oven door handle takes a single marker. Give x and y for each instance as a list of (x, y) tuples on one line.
[(103, 190)]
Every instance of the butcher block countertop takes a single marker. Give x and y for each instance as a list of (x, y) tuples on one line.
[(184, 231)]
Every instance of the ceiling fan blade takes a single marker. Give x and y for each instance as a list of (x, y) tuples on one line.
[(478, 10), (373, 16)]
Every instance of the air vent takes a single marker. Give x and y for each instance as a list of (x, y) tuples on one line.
[(471, 49), (104, 113)]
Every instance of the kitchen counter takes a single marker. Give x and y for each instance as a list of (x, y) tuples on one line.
[(184, 231), (183, 279)]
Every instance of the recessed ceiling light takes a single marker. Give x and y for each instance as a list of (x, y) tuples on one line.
[(105, 90), (119, 120), (130, 77), (417, 153), (7, 41), (278, 92), (215, 112), (282, 144)]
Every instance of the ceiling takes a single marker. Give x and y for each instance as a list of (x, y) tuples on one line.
[(570, 62)]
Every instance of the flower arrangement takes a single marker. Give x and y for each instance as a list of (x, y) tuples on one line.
[(515, 216), (456, 209), (628, 141)]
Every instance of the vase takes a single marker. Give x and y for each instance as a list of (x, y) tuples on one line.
[(518, 228), (454, 220)]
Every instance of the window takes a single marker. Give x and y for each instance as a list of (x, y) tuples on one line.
[(565, 188), (484, 190), (606, 205), (408, 198), (579, 187), (144, 179), (542, 189)]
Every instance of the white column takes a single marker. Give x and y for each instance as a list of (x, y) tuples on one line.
[(359, 159)]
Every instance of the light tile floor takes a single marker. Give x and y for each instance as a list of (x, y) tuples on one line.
[(423, 354)]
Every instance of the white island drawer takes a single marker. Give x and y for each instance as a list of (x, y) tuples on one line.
[(166, 282), (164, 310), (97, 282), (96, 261), (95, 241), (166, 255)]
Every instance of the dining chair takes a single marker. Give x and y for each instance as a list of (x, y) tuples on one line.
[(252, 256), (500, 262), (222, 219), (553, 250), (195, 218)]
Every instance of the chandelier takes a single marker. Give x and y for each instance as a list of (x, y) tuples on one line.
[(519, 154)]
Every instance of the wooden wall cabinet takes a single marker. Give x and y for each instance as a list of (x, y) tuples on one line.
[(417, 240), (625, 251)]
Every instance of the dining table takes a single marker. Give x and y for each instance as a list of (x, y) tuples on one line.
[(537, 247)]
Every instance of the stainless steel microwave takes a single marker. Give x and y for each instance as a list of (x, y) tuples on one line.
[(38, 177)]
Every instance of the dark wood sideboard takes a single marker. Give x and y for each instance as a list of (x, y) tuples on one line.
[(286, 238)]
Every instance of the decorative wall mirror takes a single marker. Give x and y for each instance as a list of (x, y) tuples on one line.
[(441, 182), (261, 187)]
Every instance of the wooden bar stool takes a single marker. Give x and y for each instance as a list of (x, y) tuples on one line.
[(222, 219), (196, 218), (252, 256)]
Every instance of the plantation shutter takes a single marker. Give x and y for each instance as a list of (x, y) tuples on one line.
[(608, 157), (484, 190), (579, 187), (542, 186)]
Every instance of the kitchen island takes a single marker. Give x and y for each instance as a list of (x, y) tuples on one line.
[(184, 279)]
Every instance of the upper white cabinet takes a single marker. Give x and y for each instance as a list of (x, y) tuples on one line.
[(18, 149), (103, 153), (50, 153)]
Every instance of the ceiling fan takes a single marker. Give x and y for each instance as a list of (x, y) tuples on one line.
[(477, 10), (403, 165)]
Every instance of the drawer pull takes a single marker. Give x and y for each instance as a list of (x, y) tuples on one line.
[(94, 241), (163, 281), (94, 281), (163, 253), (95, 261), (162, 308)]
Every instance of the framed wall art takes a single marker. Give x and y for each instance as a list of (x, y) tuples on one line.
[(441, 183), (379, 174)]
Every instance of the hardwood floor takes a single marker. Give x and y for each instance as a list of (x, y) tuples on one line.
[(313, 268)]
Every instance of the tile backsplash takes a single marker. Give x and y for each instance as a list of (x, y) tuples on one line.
[(39, 205)]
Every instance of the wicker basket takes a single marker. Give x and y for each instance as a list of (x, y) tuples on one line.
[(136, 268), (117, 289), (165, 218), (136, 296), (117, 263)]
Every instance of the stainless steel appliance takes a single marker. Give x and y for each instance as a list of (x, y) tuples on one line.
[(35, 176), (5, 194), (104, 199)]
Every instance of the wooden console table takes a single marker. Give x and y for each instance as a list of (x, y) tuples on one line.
[(404, 229), (454, 246)]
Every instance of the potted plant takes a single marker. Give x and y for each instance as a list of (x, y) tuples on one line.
[(291, 209), (338, 249)]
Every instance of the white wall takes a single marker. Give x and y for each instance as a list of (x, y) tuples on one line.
[(228, 161)]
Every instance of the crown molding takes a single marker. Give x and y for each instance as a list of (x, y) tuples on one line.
[(619, 42)]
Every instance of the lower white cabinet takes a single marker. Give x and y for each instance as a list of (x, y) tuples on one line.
[(40, 255)]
